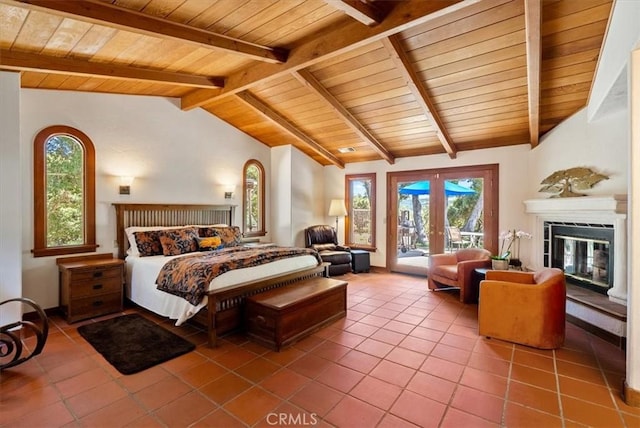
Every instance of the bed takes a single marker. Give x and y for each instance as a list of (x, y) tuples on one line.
[(220, 311)]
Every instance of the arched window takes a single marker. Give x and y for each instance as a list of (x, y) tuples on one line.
[(64, 192), (253, 194)]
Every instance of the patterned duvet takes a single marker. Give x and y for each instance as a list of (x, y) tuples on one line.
[(189, 276)]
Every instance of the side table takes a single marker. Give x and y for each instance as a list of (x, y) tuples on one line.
[(90, 286), (360, 261), (479, 274)]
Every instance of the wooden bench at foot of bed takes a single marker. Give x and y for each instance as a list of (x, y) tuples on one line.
[(280, 317), (225, 306)]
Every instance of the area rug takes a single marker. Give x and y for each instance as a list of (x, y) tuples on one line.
[(132, 343)]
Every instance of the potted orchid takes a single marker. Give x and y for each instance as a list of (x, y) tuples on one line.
[(510, 245)]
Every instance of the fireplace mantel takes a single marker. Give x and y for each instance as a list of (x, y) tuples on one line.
[(591, 205), (610, 210)]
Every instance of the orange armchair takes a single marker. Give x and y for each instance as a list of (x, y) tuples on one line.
[(456, 270), (524, 307)]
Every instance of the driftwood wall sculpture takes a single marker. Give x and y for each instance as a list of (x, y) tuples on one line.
[(566, 182)]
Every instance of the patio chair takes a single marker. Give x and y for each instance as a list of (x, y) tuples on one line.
[(456, 240)]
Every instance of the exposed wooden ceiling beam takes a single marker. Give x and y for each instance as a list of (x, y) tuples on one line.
[(405, 15), (129, 20), (403, 64), (306, 78), (283, 123), (366, 13), (533, 21), (26, 61)]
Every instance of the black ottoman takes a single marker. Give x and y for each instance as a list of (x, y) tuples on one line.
[(360, 261)]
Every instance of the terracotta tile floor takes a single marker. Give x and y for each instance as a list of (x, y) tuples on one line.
[(402, 357)]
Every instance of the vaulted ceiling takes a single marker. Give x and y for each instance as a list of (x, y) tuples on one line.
[(342, 80)]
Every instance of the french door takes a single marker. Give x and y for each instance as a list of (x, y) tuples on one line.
[(439, 210)]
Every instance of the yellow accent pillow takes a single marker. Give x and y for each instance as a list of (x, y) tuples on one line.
[(209, 243)]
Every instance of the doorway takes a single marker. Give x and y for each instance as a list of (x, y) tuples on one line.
[(440, 210)]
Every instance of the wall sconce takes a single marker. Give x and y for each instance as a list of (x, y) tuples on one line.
[(228, 192), (125, 185)]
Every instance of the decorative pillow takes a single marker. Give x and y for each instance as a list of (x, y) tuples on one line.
[(208, 231), (179, 241), (147, 243), (209, 243), (230, 235), (133, 242)]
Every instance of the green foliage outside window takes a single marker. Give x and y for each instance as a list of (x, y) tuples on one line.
[(252, 211), (64, 191), (466, 212), (360, 189), (360, 201)]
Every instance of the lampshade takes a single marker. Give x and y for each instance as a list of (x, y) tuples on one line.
[(337, 208)]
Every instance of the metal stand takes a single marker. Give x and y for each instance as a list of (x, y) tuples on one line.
[(11, 336)]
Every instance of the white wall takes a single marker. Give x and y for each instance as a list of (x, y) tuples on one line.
[(281, 195), (308, 205), (297, 195), (176, 157), (10, 187), (602, 145), (513, 186)]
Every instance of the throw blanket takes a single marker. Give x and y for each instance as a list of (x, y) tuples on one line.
[(189, 276)]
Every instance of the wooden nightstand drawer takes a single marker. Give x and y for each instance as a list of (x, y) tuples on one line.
[(96, 273), (94, 306), (111, 284), (90, 286)]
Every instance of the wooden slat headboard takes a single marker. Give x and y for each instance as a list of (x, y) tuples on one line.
[(167, 215)]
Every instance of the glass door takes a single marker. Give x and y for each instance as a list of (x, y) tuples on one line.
[(463, 213), (438, 211), (410, 233)]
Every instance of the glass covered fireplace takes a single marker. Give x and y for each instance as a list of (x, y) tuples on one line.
[(585, 253), (591, 218)]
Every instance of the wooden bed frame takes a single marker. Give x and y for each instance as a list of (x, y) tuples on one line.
[(224, 308)]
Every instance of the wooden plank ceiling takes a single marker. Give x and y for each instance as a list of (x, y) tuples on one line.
[(342, 80)]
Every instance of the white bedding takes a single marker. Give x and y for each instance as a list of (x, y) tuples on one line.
[(143, 271)]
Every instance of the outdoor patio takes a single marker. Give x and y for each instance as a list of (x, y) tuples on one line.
[(460, 231)]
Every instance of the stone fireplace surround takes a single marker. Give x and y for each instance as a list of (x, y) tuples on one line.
[(606, 210)]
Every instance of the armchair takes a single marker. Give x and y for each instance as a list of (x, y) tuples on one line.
[(323, 238), (524, 307), (456, 270)]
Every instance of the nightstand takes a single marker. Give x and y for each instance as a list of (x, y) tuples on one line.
[(90, 286)]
